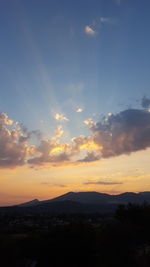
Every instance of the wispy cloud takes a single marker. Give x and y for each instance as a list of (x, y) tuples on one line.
[(106, 20), (100, 182), (53, 184)]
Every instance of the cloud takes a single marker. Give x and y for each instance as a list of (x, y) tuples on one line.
[(102, 183), (50, 151), (78, 110), (90, 156), (81, 142), (58, 132), (89, 30), (14, 147), (53, 184), (60, 117), (4, 120), (123, 133), (106, 20), (52, 159), (114, 135), (95, 27), (89, 122), (145, 102)]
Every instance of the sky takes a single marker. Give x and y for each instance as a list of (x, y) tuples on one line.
[(74, 97)]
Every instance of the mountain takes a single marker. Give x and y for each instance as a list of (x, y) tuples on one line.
[(33, 202), (82, 197), (81, 202), (99, 198)]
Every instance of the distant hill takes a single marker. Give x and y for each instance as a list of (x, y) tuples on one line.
[(81, 202)]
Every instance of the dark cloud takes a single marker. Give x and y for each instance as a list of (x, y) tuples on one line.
[(123, 133), (52, 159), (145, 102)]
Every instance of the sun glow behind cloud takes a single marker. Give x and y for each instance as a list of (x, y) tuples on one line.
[(114, 135)]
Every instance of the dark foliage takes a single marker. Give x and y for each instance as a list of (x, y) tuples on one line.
[(89, 240)]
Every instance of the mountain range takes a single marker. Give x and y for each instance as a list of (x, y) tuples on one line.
[(81, 202), (96, 198)]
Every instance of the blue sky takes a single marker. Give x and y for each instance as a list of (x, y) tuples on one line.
[(50, 64), (58, 57)]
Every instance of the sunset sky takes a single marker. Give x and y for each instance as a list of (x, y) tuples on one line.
[(74, 97)]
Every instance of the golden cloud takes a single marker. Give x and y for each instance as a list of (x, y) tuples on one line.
[(79, 110), (88, 30), (60, 117)]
